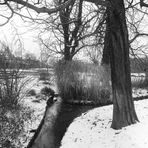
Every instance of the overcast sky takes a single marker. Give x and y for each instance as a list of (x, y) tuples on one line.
[(25, 32), (29, 36)]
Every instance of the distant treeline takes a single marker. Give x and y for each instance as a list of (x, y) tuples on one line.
[(139, 65), (30, 63), (18, 62)]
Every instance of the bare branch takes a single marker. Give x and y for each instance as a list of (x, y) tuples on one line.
[(99, 2), (143, 4), (42, 9), (9, 17), (29, 18), (138, 35)]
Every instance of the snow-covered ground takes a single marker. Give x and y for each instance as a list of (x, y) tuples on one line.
[(92, 130), (138, 74)]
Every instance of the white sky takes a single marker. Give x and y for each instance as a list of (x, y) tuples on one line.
[(26, 34), (29, 37)]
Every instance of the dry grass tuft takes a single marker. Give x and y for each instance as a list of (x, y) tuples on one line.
[(83, 81)]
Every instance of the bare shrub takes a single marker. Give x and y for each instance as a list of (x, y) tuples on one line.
[(11, 82), (12, 123), (47, 91), (140, 81), (13, 115)]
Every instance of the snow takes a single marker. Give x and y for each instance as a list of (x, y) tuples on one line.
[(139, 92), (92, 130), (38, 108), (138, 74)]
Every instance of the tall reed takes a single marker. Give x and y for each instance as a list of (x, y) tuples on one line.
[(77, 80)]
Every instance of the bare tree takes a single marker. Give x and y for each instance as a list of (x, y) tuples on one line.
[(135, 18), (72, 28), (124, 112), (12, 7), (11, 84)]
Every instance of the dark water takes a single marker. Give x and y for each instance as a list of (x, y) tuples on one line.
[(67, 114)]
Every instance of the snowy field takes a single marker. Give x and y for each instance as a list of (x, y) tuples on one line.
[(92, 130)]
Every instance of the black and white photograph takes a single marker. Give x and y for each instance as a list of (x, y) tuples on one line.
[(73, 74)]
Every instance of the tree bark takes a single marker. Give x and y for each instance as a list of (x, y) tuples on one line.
[(123, 106), (107, 42), (70, 36)]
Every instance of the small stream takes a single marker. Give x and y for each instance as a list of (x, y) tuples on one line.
[(67, 114)]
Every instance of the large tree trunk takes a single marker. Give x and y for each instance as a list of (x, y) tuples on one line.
[(71, 28), (64, 18), (123, 107), (67, 54), (107, 42)]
